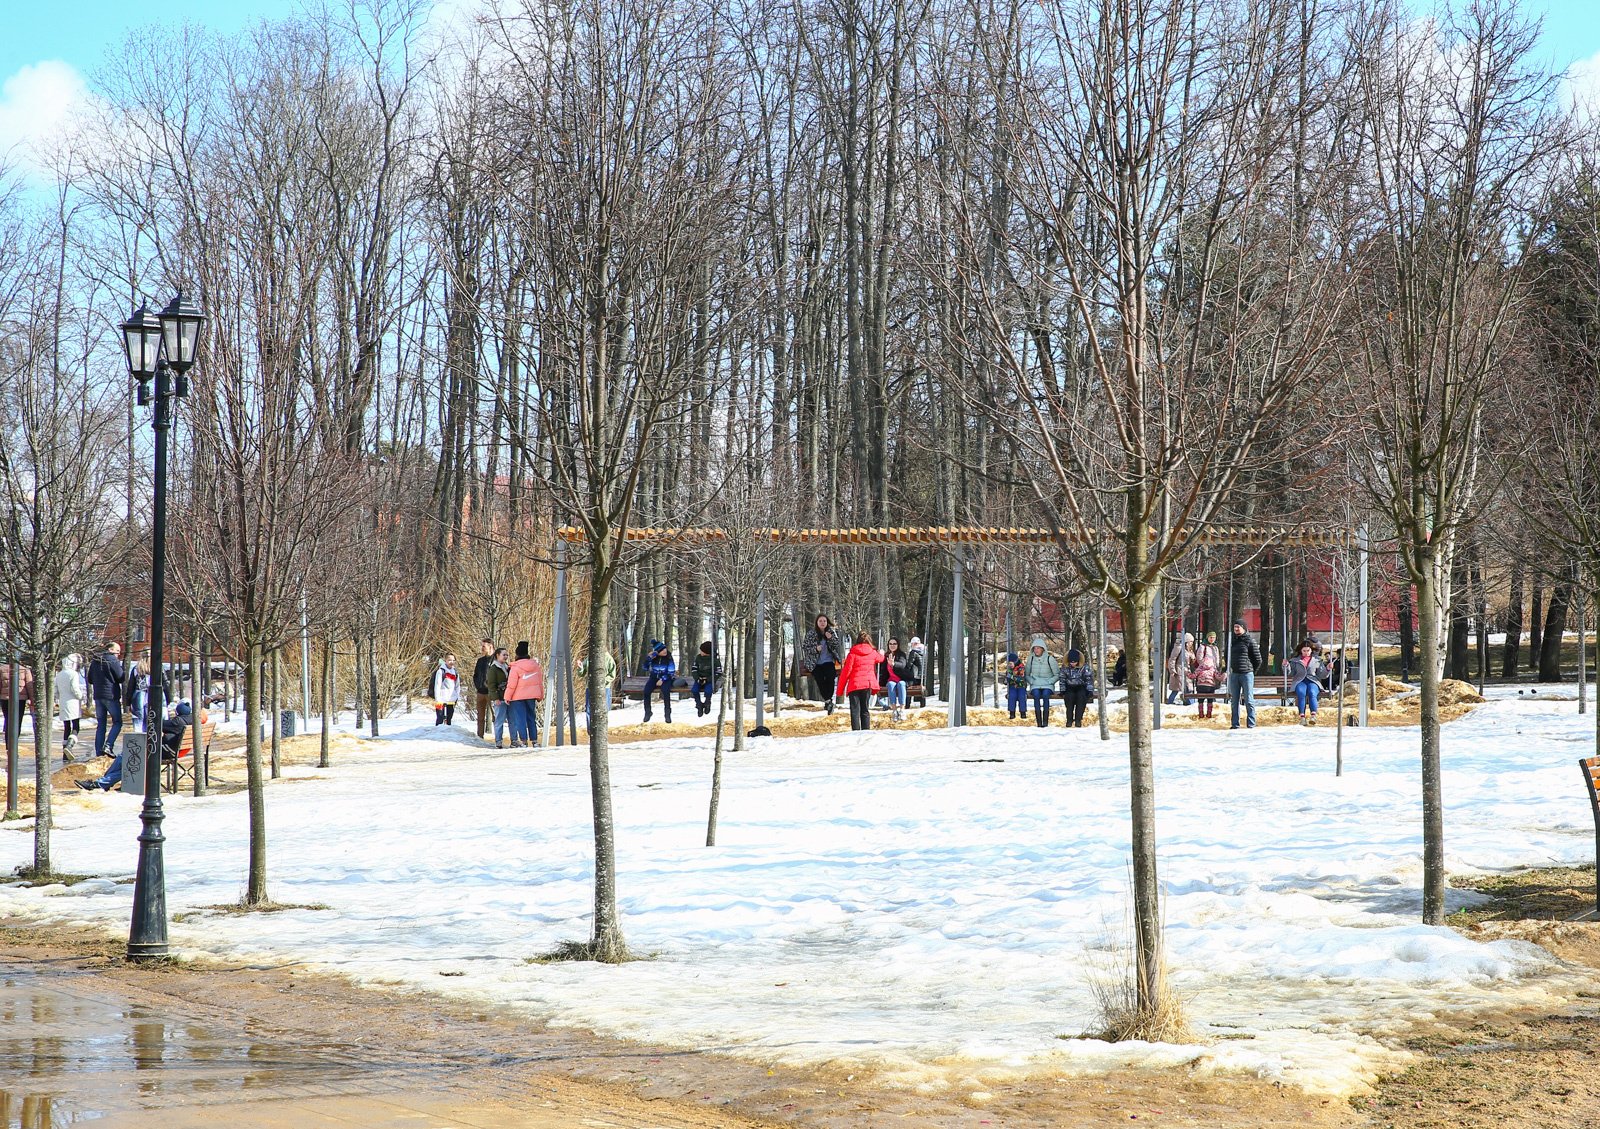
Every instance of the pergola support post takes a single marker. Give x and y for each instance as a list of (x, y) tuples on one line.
[(1364, 630), (955, 664), (760, 656)]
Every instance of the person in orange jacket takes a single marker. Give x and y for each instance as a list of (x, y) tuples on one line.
[(858, 680)]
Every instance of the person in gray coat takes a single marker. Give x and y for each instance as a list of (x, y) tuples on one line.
[(1041, 671)]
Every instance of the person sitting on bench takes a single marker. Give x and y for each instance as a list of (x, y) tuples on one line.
[(172, 734)]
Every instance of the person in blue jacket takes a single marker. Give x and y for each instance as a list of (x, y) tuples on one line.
[(661, 671)]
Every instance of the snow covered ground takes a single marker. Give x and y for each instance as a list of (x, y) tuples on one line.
[(893, 901)]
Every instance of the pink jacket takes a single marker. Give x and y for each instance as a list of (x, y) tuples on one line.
[(524, 681)]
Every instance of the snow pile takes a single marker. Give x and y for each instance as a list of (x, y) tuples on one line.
[(932, 905)]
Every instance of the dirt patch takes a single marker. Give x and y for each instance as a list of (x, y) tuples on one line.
[(1529, 1068), (497, 1052)]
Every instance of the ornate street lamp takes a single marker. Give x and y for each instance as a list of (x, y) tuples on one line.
[(160, 350)]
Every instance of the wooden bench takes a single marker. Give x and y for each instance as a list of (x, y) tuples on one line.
[(1591, 782), (633, 687), (1266, 686), (182, 766)]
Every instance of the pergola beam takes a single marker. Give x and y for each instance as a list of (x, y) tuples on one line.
[(1296, 536)]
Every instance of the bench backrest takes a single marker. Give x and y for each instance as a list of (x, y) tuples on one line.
[(208, 730), (1591, 778)]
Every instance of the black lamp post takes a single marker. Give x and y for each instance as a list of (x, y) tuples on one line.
[(160, 349)]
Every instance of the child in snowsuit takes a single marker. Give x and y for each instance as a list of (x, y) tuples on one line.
[(661, 670), (1077, 687), (1016, 686)]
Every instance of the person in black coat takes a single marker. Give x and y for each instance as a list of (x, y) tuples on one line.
[(106, 678), (480, 684), (1244, 659)]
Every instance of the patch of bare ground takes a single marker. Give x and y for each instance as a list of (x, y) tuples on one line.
[(492, 1052), (1525, 1069)]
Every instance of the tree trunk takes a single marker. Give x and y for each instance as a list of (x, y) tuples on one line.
[(325, 757), (1555, 629), (716, 761), (1136, 621), (1458, 663), (1511, 656), (43, 758), (1408, 634), (1429, 622), (256, 890), (1536, 623), (606, 943)]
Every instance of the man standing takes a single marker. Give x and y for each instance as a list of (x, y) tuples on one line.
[(106, 679), (480, 683), (1244, 659)]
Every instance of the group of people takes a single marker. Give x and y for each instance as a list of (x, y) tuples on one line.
[(508, 689), (111, 685), (1039, 676), (860, 672), (1198, 671)]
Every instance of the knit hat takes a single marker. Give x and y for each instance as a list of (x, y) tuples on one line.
[(1011, 656), (916, 641), (1074, 656), (1240, 623)]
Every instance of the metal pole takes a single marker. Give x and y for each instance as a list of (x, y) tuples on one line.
[(1344, 668), (546, 738), (761, 652), (1363, 628), (372, 675), (147, 932), (1158, 657), (305, 662), (202, 685), (1100, 680), (955, 665)]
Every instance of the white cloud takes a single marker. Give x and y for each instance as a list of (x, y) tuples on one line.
[(1580, 86), (37, 104)]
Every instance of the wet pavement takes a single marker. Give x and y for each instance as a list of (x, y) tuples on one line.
[(78, 1049)]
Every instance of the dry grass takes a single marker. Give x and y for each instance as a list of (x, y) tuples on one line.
[(1114, 977)]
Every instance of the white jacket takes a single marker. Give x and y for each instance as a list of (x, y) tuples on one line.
[(70, 694)]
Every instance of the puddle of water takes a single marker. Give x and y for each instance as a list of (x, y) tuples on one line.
[(71, 1052)]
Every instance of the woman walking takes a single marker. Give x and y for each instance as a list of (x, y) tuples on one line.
[(1305, 676), (71, 692), (824, 652), (1042, 670), (1207, 675), (858, 680), (892, 675)]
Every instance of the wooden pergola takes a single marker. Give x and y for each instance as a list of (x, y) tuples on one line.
[(957, 538), (1254, 536)]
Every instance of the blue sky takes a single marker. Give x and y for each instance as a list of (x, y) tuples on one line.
[(50, 49)]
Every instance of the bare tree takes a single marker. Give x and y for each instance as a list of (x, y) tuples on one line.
[(1139, 284), (1454, 127), (57, 486), (629, 215)]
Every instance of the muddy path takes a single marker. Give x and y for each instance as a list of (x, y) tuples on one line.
[(86, 1036), (177, 1045)]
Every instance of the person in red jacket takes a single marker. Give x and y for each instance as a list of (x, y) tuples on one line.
[(858, 679)]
